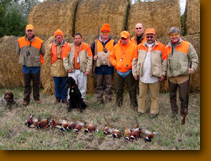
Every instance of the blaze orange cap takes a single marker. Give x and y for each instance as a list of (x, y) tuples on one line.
[(58, 32), (125, 34), (29, 27), (150, 31), (106, 27)]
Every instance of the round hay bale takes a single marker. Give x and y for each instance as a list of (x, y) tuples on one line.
[(48, 16), (195, 78), (46, 78), (92, 14), (11, 72), (193, 17), (160, 15)]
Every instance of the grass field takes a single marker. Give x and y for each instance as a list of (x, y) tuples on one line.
[(14, 135)]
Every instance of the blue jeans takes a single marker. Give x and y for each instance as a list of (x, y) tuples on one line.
[(60, 90)]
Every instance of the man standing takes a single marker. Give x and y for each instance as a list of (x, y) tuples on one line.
[(181, 54), (77, 61), (56, 53), (31, 51), (101, 50), (150, 69), (139, 37), (121, 58)]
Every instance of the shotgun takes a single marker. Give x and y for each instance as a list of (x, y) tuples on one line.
[(94, 61), (187, 99)]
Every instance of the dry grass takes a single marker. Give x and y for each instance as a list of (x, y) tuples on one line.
[(172, 136), (160, 15)]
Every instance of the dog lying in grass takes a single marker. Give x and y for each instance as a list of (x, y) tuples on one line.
[(75, 95), (8, 99)]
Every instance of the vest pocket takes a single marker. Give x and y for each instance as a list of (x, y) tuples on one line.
[(156, 70), (139, 71), (36, 61)]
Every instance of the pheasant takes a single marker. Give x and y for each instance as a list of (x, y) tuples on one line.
[(43, 123), (108, 129), (147, 135), (127, 132), (79, 126), (136, 132), (116, 133), (71, 126), (31, 121), (90, 128)]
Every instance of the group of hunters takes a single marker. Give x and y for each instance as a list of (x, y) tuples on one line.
[(141, 61)]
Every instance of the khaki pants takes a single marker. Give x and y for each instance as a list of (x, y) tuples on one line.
[(154, 90), (100, 89)]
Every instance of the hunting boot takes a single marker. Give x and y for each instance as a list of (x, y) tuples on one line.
[(57, 100)]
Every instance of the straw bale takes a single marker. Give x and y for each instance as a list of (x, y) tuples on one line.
[(160, 15), (48, 16), (193, 17), (11, 73), (195, 78), (92, 14)]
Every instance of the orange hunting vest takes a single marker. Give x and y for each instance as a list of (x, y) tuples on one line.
[(54, 51)]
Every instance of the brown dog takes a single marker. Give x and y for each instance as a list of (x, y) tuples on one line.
[(9, 99)]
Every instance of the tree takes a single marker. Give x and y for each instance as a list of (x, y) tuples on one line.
[(14, 16)]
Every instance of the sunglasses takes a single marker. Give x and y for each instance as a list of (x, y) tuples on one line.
[(150, 37), (105, 32), (138, 28), (123, 38), (172, 35)]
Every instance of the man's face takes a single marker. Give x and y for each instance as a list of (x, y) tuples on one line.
[(139, 29), (124, 40), (77, 39), (150, 38), (175, 37), (29, 33), (59, 38), (104, 35)]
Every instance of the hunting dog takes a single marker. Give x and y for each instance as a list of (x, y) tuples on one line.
[(8, 99), (75, 96)]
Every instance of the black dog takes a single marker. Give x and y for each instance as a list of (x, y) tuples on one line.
[(75, 95)]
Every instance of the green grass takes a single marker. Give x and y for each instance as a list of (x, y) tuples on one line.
[(14, 135)]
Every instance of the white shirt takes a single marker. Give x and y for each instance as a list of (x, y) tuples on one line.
[(147, 78)]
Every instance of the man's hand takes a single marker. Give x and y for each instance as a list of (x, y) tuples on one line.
[(87, 73), (95, 57), (70, 70), (136, 77), (191, 71), (162, 78)]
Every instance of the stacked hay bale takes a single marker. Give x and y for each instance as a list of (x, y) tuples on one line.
[(48, 16), (11, 72), (92, 14), (193, 17), (195, 78), (160, 15), (46, 78)]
